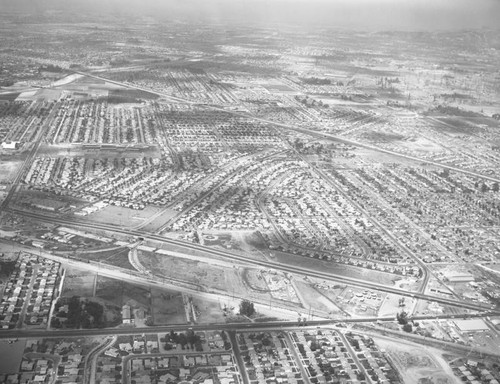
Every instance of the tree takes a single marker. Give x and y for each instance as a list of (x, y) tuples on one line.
[(247, 308), (407, 328), (192, 338), (168, 346), (182, 340), (402, 318)]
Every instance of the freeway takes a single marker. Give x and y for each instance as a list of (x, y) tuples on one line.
[(295, 270)]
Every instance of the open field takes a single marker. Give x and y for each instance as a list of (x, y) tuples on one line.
[(390, 306), (314, 301), (208, 311), (120, 293), (118, 257), (254, 280), (78, 283), (197, 273), (8, 170), (121, 216), (12, 354), (417, 364), (167, 307), (9, 96)]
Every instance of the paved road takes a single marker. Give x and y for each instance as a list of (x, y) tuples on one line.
[(228, 327), (237, 355), (299, 361), (90, 365)]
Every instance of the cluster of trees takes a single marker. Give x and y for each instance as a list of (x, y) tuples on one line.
[(454, 96), (403, 320), (454, 111), (6, 82), (118, 61), (7, 267), (385, 82), (308, 148), (189, 340), (264, 338), (397, 104), (81, 314), (246, 308), (309, 102)]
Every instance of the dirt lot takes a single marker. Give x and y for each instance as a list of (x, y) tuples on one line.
[(313, 299), (118, 257), (253, 279), (355, 301), (390, 306), (78, 283), (208, 311), (8, 170), (416, 364), (124, 217), (120, 293), (168, 307), (199, 273), (248, 243)]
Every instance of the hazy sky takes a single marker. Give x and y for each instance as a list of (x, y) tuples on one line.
[(356, 14)]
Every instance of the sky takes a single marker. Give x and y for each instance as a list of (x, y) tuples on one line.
[(354, 14)]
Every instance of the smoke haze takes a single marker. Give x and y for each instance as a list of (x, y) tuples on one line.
[(352, 14)]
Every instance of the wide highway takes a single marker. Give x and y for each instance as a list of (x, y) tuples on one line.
[(32, 333), (295, 270)]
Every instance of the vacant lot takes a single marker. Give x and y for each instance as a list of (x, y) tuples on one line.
[(207, 311), (178, 269), (315, 301), (416, 364), (8, 170), (168, 307), (118, 257), (124, 217), (78, 283), (9, 96), (12, 354), (120, 293)]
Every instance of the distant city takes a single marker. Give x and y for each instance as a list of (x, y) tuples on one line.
[(209, 203)]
